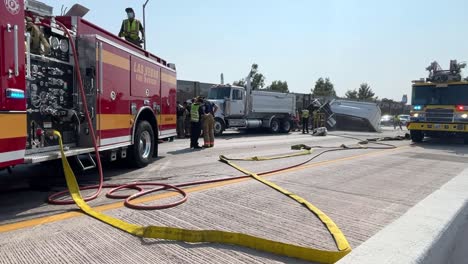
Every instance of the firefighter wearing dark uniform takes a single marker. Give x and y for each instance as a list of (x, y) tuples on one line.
[(305, 121), (196, 112), (181, 115), (188, 107), (131, 29)]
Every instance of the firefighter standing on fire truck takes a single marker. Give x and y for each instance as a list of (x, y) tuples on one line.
[(131, 29)]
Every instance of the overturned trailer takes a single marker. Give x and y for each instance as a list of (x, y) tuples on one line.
[(356, 116)]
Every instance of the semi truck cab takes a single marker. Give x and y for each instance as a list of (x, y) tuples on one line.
[(229, 99)]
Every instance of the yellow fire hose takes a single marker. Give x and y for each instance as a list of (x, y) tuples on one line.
[(214, 236)]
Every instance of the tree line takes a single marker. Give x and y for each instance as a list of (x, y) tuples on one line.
[(323, 87)]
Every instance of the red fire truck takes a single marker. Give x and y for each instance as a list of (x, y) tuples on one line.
[(129, 94)]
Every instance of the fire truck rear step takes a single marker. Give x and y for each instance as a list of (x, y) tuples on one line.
[(41, 157), (88, 160)]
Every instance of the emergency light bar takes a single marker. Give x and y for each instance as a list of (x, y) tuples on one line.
[(462, 108), (14, 93)]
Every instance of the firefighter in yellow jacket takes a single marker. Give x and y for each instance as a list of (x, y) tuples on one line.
[(196, 113), (131, 29)]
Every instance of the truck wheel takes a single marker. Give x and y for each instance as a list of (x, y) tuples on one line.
[(141, 152), (286, 126), (275, 126), (417, 136), (219, 127)]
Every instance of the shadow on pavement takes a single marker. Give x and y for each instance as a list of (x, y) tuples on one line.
[(219, 246), (29, 186), (449, 145), (183, 151)]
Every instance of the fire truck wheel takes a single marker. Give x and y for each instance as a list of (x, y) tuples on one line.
[(417, 136), (141, 152), (275, 125)]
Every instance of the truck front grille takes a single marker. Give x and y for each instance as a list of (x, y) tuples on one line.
[(439, 115)]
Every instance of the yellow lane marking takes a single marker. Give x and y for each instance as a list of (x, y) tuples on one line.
[(68, 215)]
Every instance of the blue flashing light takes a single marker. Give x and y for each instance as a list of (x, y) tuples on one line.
[(14, 94), (417, 107)]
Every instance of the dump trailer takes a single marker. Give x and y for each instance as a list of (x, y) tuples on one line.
[(440, 104), (90, 79), (240, 107)]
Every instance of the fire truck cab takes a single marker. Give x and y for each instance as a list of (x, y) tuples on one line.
[(440, 104), (130, 93)]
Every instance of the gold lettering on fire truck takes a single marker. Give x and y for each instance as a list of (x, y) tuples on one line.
[(145, 74)]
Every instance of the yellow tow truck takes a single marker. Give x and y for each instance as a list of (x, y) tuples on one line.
[(440, 104)]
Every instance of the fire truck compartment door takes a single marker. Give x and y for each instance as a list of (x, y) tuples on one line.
[(12, 66)]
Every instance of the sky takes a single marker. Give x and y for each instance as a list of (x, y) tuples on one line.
[(385, 43)]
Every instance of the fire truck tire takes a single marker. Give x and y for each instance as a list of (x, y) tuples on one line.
[(275, 126), (141, 152), (417, 136), (286, 125)]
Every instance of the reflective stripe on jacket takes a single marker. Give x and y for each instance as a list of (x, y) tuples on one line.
[(305, 113)]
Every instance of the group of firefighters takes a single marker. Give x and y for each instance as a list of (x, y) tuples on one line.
[(305, 119), (196, 119)]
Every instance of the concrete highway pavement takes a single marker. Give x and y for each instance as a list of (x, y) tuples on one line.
[(361, 190)]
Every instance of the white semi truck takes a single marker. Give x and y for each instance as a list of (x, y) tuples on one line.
[(240, 107)]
